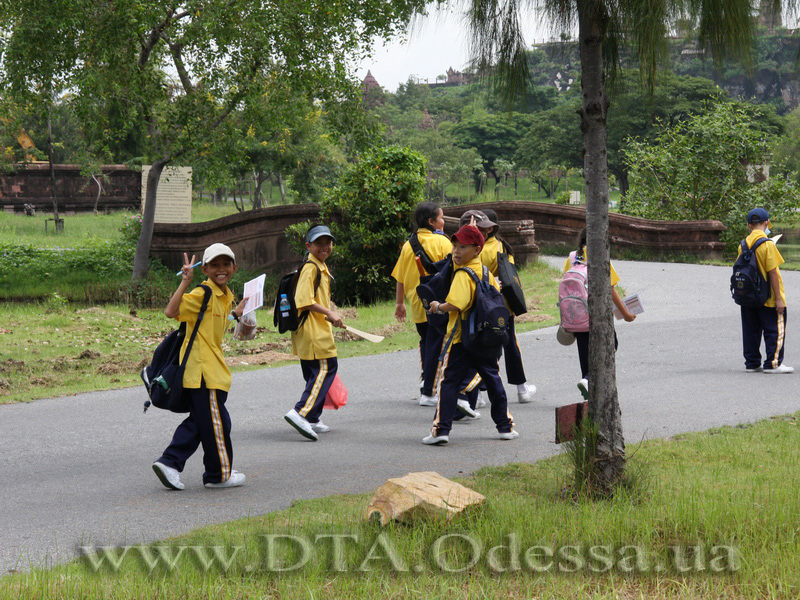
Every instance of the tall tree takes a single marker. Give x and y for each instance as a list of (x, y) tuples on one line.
[(177, 70), (603, 26)]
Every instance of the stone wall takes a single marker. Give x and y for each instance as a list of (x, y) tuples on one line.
[(258, 240), (255, 236), (30, 184), (557, 225)]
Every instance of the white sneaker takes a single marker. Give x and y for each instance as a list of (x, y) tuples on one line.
[(303, 427), (320, 427), (583, 386), (509, 435), (437, 440), (481, 400), (756, 370), (170, 477), (235, 480), (525, 393), (780, 369), (428, 400), (465, 409)]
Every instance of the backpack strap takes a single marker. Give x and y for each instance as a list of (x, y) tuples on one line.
[(200, 315), (304, 316), (419, 251), (759, 241)]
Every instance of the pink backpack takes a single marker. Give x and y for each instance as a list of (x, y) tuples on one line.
[(573, 296)]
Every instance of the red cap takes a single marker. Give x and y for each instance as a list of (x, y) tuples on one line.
[(469, 235)]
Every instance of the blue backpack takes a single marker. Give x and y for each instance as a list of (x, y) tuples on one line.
[(436, 287), (484, 331), (748, 286)]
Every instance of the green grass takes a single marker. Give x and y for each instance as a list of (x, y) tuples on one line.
[(56, 348), (716, 511)]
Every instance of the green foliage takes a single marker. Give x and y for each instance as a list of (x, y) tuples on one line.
[(131, 229), (562, 198), (698, 169), (368, 212)]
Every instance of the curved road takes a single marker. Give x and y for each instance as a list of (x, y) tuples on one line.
[(76, 470)]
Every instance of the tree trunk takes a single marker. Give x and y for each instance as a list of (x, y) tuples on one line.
[(141, 260), (257, 197), (282, 187), (52, 171), (609, 455)]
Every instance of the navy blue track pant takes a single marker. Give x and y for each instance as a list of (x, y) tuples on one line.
[(456, 365), (767, 322), (582, 341), (319, 374), (208, 424), (430, 345)]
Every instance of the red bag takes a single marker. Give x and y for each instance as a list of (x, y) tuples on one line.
[(337, 394)]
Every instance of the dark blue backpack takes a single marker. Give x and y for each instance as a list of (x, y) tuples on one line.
[(485, 329), (163, 377), (748, 286), (436, 287)]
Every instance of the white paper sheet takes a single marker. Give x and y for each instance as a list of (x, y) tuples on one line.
[(633, 304), (254, 292)]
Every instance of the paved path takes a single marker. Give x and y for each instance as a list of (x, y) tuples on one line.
[(77, 469)]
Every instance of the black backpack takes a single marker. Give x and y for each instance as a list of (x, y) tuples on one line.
[(163, 377), (485, 329), (512, 286), (286, 317), (748, 286), (419, 252), (436, 287)]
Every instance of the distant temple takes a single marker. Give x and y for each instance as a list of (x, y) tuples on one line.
[(451, 79), (372, 93)]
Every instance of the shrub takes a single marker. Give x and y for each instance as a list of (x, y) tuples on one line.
[(368, 213), (562, 198)]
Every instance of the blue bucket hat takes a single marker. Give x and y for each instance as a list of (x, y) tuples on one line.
[(757, 215), (317, 232)]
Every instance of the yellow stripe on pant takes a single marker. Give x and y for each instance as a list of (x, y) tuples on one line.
[(219, 436), (312, 397)]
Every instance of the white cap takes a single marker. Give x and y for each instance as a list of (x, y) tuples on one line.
[(215, 250)]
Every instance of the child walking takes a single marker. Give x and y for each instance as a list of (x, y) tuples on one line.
[(206, 380), (769, 320), (582, 337), (313, 341), (457, 362), (430, 237)]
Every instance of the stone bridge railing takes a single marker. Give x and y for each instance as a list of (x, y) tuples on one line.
[(257, 237)]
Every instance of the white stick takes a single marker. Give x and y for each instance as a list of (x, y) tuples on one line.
[(375, 339)]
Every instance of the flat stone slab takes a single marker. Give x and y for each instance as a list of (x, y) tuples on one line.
[(424, 495)]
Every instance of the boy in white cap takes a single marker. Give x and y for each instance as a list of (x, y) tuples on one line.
[(207, 379), (768, 321)]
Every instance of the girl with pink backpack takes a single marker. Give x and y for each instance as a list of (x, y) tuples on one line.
[(573, 295)]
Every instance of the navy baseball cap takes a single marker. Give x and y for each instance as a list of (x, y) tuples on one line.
[(757, 215), (317, 232)]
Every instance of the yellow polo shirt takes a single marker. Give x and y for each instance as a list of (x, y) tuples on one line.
[(491, 248), (436, 246), (613, 273), (206, 362), (314, 338), (768, 258), (462, 295)]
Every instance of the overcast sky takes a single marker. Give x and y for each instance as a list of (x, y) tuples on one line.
[(434, 44)]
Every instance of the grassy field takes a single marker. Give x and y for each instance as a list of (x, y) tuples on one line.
[(710, 515), (56, 348)]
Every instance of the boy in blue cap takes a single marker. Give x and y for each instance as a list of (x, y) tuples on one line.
[(769, 320), (313, 341)]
